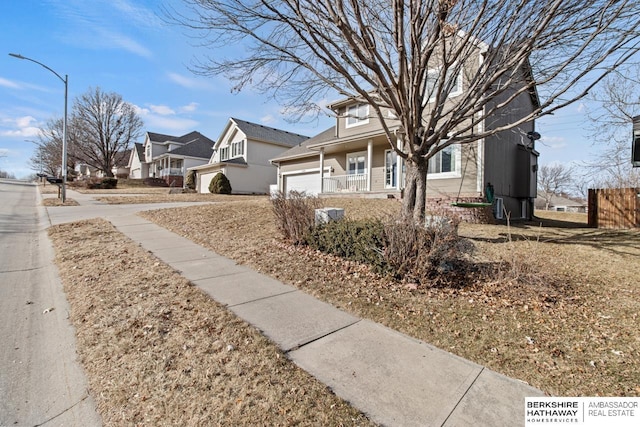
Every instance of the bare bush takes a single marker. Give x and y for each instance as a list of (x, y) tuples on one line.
[(416, 252), (295, 214)]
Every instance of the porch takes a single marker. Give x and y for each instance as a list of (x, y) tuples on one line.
[(345, 183)]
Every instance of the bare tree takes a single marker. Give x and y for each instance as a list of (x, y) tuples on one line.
[(48, 154), (619, 101), (553, 180), (402, 55), (104, 125)]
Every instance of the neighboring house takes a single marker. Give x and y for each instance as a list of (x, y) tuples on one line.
[(120, 167), (138, 168), (84, 171), (354, 158), (242, 153), (168, 157), (560, 204)]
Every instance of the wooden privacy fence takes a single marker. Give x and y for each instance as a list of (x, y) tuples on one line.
[(614, 208)]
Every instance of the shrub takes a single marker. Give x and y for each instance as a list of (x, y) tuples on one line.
[(362, 240), (420, 252), (102, 183), (191, 180), (295, 214), (109, 183), (220, 184)]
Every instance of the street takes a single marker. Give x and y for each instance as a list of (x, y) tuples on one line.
[(41, 382)]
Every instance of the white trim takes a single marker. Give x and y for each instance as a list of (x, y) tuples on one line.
[(301, 171), (457, 172), (355, 154), (369, 162), (457, 91), (322, 170), (396, 179), (360, 121)]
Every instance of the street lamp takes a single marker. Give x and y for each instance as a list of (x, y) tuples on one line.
[(63, 193)]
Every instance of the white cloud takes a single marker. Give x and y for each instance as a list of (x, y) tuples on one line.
[(100, 25), (189, 108), (157, 119), (268, 119), (21, 127), (555, 142), (189, 82), (163, 110), (8, 83), (125, 43)]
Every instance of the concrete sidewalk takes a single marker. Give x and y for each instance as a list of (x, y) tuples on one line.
[(395, 379)]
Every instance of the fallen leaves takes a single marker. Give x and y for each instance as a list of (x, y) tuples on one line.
[(574, 279)]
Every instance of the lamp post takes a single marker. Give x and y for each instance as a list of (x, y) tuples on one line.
[(63, 193)]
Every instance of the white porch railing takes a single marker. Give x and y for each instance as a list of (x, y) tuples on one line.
[(345, 183), (171, 172)]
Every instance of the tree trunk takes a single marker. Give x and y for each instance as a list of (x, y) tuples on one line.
[(415, 192)]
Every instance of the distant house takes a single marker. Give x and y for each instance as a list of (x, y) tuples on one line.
[(560, 204), (120, 167), (137, 166), (242, 153), (168, 157)]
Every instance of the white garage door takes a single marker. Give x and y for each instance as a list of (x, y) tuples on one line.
[(205, 180), (307, 182)]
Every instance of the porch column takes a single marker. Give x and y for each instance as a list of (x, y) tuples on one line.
[(369, 159), (399, 183), (322, 170)]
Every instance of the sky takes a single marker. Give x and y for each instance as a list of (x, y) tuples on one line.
[(124, 46)]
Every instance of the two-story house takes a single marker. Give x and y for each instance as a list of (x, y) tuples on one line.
[(355, 159), (243, 152), (168, 157)]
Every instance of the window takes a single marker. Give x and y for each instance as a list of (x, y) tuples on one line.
[(446, 162), (224, 154), (356, 163), (357, 115), (453, 86), (237, 149), (390, 169)]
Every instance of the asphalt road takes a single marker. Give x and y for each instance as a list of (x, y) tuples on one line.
[(41, 382)]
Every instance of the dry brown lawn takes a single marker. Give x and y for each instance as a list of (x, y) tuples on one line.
[(54, 201), (157, 351), (560, 312)]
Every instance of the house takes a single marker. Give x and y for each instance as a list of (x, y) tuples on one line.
[(137, 165), (560, 203), (119, 169), (354, 158), (243, 152), (168, 157)]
